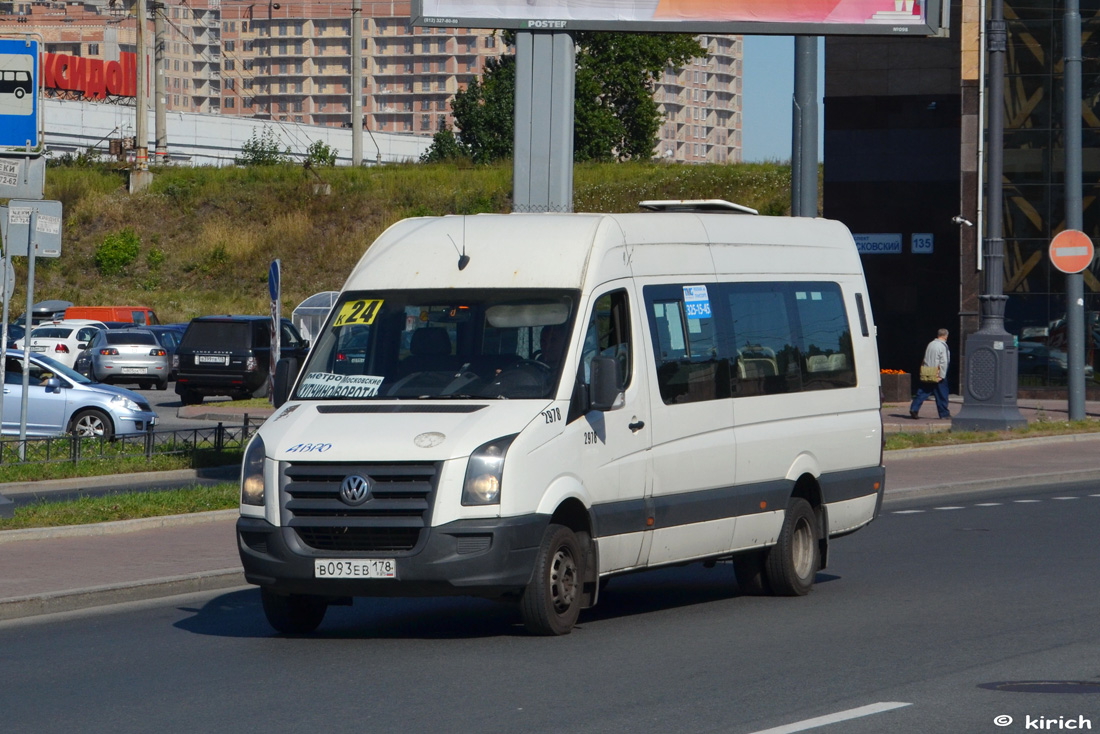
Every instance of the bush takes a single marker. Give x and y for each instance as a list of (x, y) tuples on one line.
[(320, 154), (117, 251), (263, 150)]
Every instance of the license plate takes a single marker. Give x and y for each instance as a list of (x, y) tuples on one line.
[(36, 348), (372, 568), (134, 370), (207, 359)]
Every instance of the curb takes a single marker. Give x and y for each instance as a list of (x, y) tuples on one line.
[(982, 485), (116, 527), (97, 596), (964, 448)]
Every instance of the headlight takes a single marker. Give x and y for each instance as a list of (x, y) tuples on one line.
[(252, 473), (483, 472), (126, 403)]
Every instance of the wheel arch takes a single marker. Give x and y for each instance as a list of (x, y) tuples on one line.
[(575, 515)]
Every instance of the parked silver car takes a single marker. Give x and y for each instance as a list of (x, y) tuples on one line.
[(60, 400), (129, 355)]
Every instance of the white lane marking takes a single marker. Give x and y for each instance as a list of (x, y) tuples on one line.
[(1064, 498), (908, 512), (989, 504), (1025, 502), (874, 708), (1094, 495), (949, 508)]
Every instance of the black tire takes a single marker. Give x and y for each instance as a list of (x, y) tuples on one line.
[(260, 392), (92, 423), (552, 600), (190, 397), (749, 569), (20, 93), (793, 562), (162, 385), (296, 614)]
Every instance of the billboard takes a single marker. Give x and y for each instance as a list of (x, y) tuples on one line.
[(750, 17)]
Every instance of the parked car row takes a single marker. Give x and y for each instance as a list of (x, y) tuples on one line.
[(75, 365)]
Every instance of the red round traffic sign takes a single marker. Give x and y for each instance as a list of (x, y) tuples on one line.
[(1071, 251)]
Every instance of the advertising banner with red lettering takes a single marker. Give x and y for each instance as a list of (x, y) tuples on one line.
[(93, 78), (785, 17)]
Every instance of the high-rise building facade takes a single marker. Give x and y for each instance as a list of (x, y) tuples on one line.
[(290, 62)]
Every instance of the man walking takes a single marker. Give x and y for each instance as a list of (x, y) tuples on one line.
[(937, 356)]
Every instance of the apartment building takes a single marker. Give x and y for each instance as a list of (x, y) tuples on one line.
[(290, 62)]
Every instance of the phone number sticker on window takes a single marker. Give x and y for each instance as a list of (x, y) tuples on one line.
[(696, 302), (358, 312)]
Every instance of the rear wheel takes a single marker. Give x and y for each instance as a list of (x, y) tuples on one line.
[(92, 424), (296, 614), (261, 391), (793, 561), (190, 397), (552, 600), (162, 385)]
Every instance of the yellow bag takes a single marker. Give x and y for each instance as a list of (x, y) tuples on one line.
[(929, 374)]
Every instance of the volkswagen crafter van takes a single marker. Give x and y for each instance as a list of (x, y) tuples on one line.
[(519, 406)]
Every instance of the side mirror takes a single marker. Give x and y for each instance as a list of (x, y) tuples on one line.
[(53, 384), (605, 385), (286, 371)]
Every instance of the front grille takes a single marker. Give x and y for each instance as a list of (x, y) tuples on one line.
[(392, 520)]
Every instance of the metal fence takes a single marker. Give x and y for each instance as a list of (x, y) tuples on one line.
[(191, 442)]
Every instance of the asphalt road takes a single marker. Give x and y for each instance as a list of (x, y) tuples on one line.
[(916, 613)]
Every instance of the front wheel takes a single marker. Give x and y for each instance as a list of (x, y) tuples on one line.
[(92, 424), (296, 614), (552, 600), (793, 561)]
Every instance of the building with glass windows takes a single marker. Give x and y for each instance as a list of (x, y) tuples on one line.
[(906, 155)]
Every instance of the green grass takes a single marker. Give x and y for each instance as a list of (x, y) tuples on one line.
[(115, 465), (949, 438), (87, 510)]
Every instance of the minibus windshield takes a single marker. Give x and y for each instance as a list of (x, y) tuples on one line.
[(443, 344)]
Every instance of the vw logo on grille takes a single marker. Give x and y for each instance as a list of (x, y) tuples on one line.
[(355, 489)]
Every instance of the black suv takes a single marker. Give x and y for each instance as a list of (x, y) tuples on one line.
[(228, 355)]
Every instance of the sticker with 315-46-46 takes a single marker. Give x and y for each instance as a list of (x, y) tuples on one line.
[(358, 312)]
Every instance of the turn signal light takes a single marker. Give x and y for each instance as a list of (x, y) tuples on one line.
[(157, 353), (109, 352)]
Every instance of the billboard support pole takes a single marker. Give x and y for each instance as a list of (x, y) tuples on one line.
[(542, 168), (804, 129)]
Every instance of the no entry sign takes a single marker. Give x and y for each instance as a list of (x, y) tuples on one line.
[(1071, 251)]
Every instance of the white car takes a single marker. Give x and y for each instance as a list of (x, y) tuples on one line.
[(63, 340)]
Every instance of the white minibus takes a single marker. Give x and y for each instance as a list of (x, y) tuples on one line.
[(521, 406)]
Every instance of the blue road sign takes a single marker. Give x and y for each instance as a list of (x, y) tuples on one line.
[(18, 93)]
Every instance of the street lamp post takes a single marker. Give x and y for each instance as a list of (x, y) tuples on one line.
[(991, 379)]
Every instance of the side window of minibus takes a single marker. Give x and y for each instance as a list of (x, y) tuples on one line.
[(690, 364), (765, 348), (608, 335)]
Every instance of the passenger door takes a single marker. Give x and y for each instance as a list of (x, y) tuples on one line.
[(693, 501), (613, 446), (45, 406)]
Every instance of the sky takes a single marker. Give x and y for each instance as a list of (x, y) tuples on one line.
[(767, 89)]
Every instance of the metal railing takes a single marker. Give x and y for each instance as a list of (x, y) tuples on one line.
[(191, 442)]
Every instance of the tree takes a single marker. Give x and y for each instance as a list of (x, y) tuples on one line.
[(616, 117), (319, 154)]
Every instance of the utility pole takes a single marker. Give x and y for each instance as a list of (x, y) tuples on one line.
[(160, 102), (141, 145), (804, 129), (1075, 283), (356, 82)]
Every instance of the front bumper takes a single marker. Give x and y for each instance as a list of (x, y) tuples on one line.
[(489, 558), (134, 423)]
